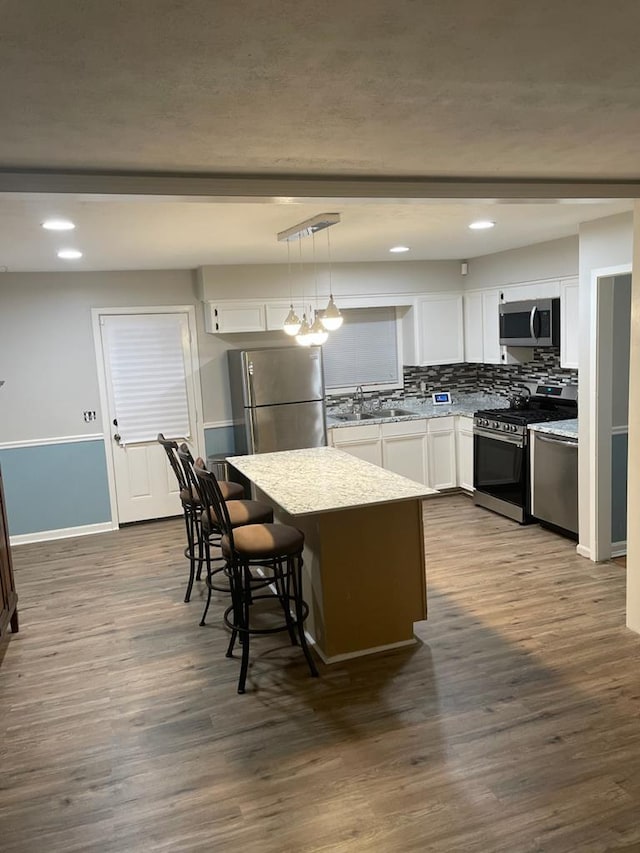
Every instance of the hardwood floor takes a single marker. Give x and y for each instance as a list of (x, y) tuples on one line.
[(514, 727)]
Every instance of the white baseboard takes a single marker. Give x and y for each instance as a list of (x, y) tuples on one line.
[(619, 549), (350, 655), (62, 533), (583, 551)]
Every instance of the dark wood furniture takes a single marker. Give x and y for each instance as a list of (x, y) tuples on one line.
[(8, 597)]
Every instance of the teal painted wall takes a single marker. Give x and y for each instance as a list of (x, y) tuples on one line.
[(619, 456), (219, 440), (54, 486)]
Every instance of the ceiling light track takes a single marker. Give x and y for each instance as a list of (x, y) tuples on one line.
[(309, 227)]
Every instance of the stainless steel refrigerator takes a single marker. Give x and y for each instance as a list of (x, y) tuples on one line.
[(277, 397)]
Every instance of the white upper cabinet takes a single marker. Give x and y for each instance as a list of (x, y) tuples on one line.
[(276, 313), (226, 317), (569, 323), (473, 328), (482, 327), (547, 289), (491, 349), (439, 327)]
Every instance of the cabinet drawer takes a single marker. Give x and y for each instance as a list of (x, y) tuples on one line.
[(445, 424), (355, 433), (416, 427), (465, 424)]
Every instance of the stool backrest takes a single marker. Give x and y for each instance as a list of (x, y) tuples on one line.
[(171, 449), (211, 496)]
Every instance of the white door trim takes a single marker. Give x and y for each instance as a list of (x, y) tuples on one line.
[(600, 415), (107, 428)]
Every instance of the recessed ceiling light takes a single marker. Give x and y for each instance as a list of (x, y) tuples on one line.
[(69, 254), (399, 249), (482, 224), (58, 225)]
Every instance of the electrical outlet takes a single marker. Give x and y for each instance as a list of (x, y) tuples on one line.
[(423, 386), (89, 416)]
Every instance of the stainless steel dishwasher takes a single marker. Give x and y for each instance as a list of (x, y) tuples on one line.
[(554, 480)]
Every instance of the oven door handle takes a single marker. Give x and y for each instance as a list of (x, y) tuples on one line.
[(518, 440)]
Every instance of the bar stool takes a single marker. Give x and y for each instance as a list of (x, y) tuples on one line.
[(276, 549), (240, 511), (191, 509)]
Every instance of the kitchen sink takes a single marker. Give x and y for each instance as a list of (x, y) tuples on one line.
[(392, 413), (354, 416)]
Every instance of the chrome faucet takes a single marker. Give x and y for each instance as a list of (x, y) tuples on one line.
[(358, 398)]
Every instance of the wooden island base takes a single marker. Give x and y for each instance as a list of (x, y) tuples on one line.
[(364, 577), (364, 573)]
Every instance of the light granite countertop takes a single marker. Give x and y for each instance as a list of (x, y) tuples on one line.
[(463, 404), (324, 479), (567, 429)]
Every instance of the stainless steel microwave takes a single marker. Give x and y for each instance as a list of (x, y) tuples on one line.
[(532, 323)]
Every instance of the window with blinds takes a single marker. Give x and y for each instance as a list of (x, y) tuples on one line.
[(364, 351), (146, 361)]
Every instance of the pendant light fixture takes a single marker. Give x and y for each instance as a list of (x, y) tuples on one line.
[(292, 322), (304, 336), (317, 331), (310, 331), (332, 319)]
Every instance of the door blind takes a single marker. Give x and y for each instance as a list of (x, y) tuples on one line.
[(364, 351), (148, 380)]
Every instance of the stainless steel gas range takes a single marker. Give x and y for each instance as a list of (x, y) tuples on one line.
[(501, 448)]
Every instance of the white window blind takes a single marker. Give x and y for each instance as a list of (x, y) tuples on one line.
[(364, 351), (146, 364)]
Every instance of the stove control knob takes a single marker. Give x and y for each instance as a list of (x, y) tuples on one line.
[(495, 425), (514, 428)]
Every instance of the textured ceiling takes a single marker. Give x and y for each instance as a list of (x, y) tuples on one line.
[(491, 88)]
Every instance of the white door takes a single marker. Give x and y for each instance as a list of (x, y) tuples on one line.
[(149, 389)]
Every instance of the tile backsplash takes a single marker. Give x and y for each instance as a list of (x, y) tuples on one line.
[(502, 379)]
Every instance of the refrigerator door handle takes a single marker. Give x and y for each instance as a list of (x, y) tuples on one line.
[(249, 382)]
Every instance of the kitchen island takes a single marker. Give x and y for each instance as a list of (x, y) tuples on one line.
[(364, 574)]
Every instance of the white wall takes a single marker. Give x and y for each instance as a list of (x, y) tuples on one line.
[(47, 354), (46, 342), (633, 500), (605, 244), (553, 259), (259, 281)]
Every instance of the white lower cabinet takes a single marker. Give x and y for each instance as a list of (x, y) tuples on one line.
[(464, 453), (404, 449), (442, 453), (435, 451), (361, 441)]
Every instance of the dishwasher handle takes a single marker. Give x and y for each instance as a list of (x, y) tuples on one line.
[(566, 442)]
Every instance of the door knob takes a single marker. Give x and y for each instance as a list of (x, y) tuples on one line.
[(116, 437)]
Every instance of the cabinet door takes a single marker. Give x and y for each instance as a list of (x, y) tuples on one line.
[(226, 317), (442, 459), (569, 323), (362, 441), (491, 327), (276, 313), (464, 453), (370, 450), (440, 329), (547, 289), (406, 455), (473, 327)]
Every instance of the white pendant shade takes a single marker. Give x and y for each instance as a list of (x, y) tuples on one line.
[(292, 322), (317, 332), (304, 336), (332, 319)]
